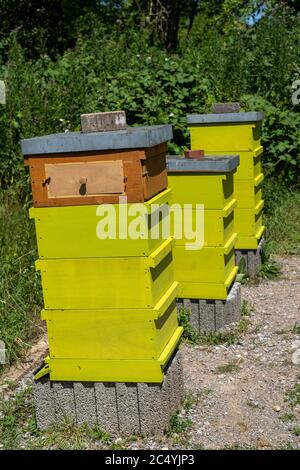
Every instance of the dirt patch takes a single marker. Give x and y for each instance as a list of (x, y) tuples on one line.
[(33, 358)]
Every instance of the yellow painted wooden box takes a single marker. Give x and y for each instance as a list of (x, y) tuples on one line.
[(115, 335), (250, 163), (213, 190), (208, 227), (96, 283), (248, 192), (112, 370), (220, 137), (206, 273), (249, 226), (79, 231)]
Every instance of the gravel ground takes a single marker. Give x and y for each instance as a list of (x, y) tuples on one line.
[(242, 389), (245, 404)]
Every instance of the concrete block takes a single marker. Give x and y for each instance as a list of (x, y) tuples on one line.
[(252, 259), (106, 405), (128, 410), (44, 403), (207, 316), (99, 122), (220, 314), (118, 408), (64, 401), (85, 403), (149, 408)]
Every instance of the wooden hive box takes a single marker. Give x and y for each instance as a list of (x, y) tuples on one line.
[(233, 132), (77, 168), (207, 181), (78, 232)]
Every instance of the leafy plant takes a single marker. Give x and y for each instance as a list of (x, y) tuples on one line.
[(269, 268)]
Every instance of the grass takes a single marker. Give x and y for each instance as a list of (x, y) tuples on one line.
[(227, 368), (293, 396), (17, 419), (295, 430), (296, 329), (20, 291), (287, 417), (282, 217), (180, 423), (211, 339)]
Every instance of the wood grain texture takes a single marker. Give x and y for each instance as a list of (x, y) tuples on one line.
[(144, 171)]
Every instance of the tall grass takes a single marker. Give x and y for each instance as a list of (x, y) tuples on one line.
[(20, 291)]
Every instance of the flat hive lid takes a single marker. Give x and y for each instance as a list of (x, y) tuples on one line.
[(68, 142), (233, 118), (210, 164)]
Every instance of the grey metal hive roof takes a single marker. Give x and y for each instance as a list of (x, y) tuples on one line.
[(225, 118), (211, 164), (132, 137)]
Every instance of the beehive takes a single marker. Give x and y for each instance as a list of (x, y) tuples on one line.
[(109, 301), (206, 271), (227, 133), (95, 168)]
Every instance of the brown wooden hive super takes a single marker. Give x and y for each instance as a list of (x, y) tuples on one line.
[(97, 177)]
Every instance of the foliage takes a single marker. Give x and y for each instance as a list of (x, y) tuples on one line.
[(282, 216), (20, 293), (269, 268), (114, 64)]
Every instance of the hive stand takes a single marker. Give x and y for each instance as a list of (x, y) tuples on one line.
[(226, 133), (117, 408), (110, 303), (206, 276)]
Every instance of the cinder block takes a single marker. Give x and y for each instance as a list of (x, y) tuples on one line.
[(128, 411), (44, 403), (207, 316), (118, 408), (106, 405), (99, 122), (252, 259), (220, 313), (64, 401), (85, 403), (149, 408)]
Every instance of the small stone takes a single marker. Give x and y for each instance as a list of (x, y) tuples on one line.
[(276, 408), (296, 357)]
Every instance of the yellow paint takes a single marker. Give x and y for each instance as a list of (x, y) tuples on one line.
[(213, 190), (97, 283), (248, 192), (201, 290), (243, 139), (250, 243), (233, 137), (70, 232), (218, 228), (208, 265), (96, 334), (250, 162), (114, 370)]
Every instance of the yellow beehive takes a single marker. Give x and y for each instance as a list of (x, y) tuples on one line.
[(124, 336), (96, 283), (206, 271), (77, 231), (235, 132)]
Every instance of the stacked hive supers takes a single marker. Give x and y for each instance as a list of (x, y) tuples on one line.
[(239, 133), (206, 273), (110, 304)]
